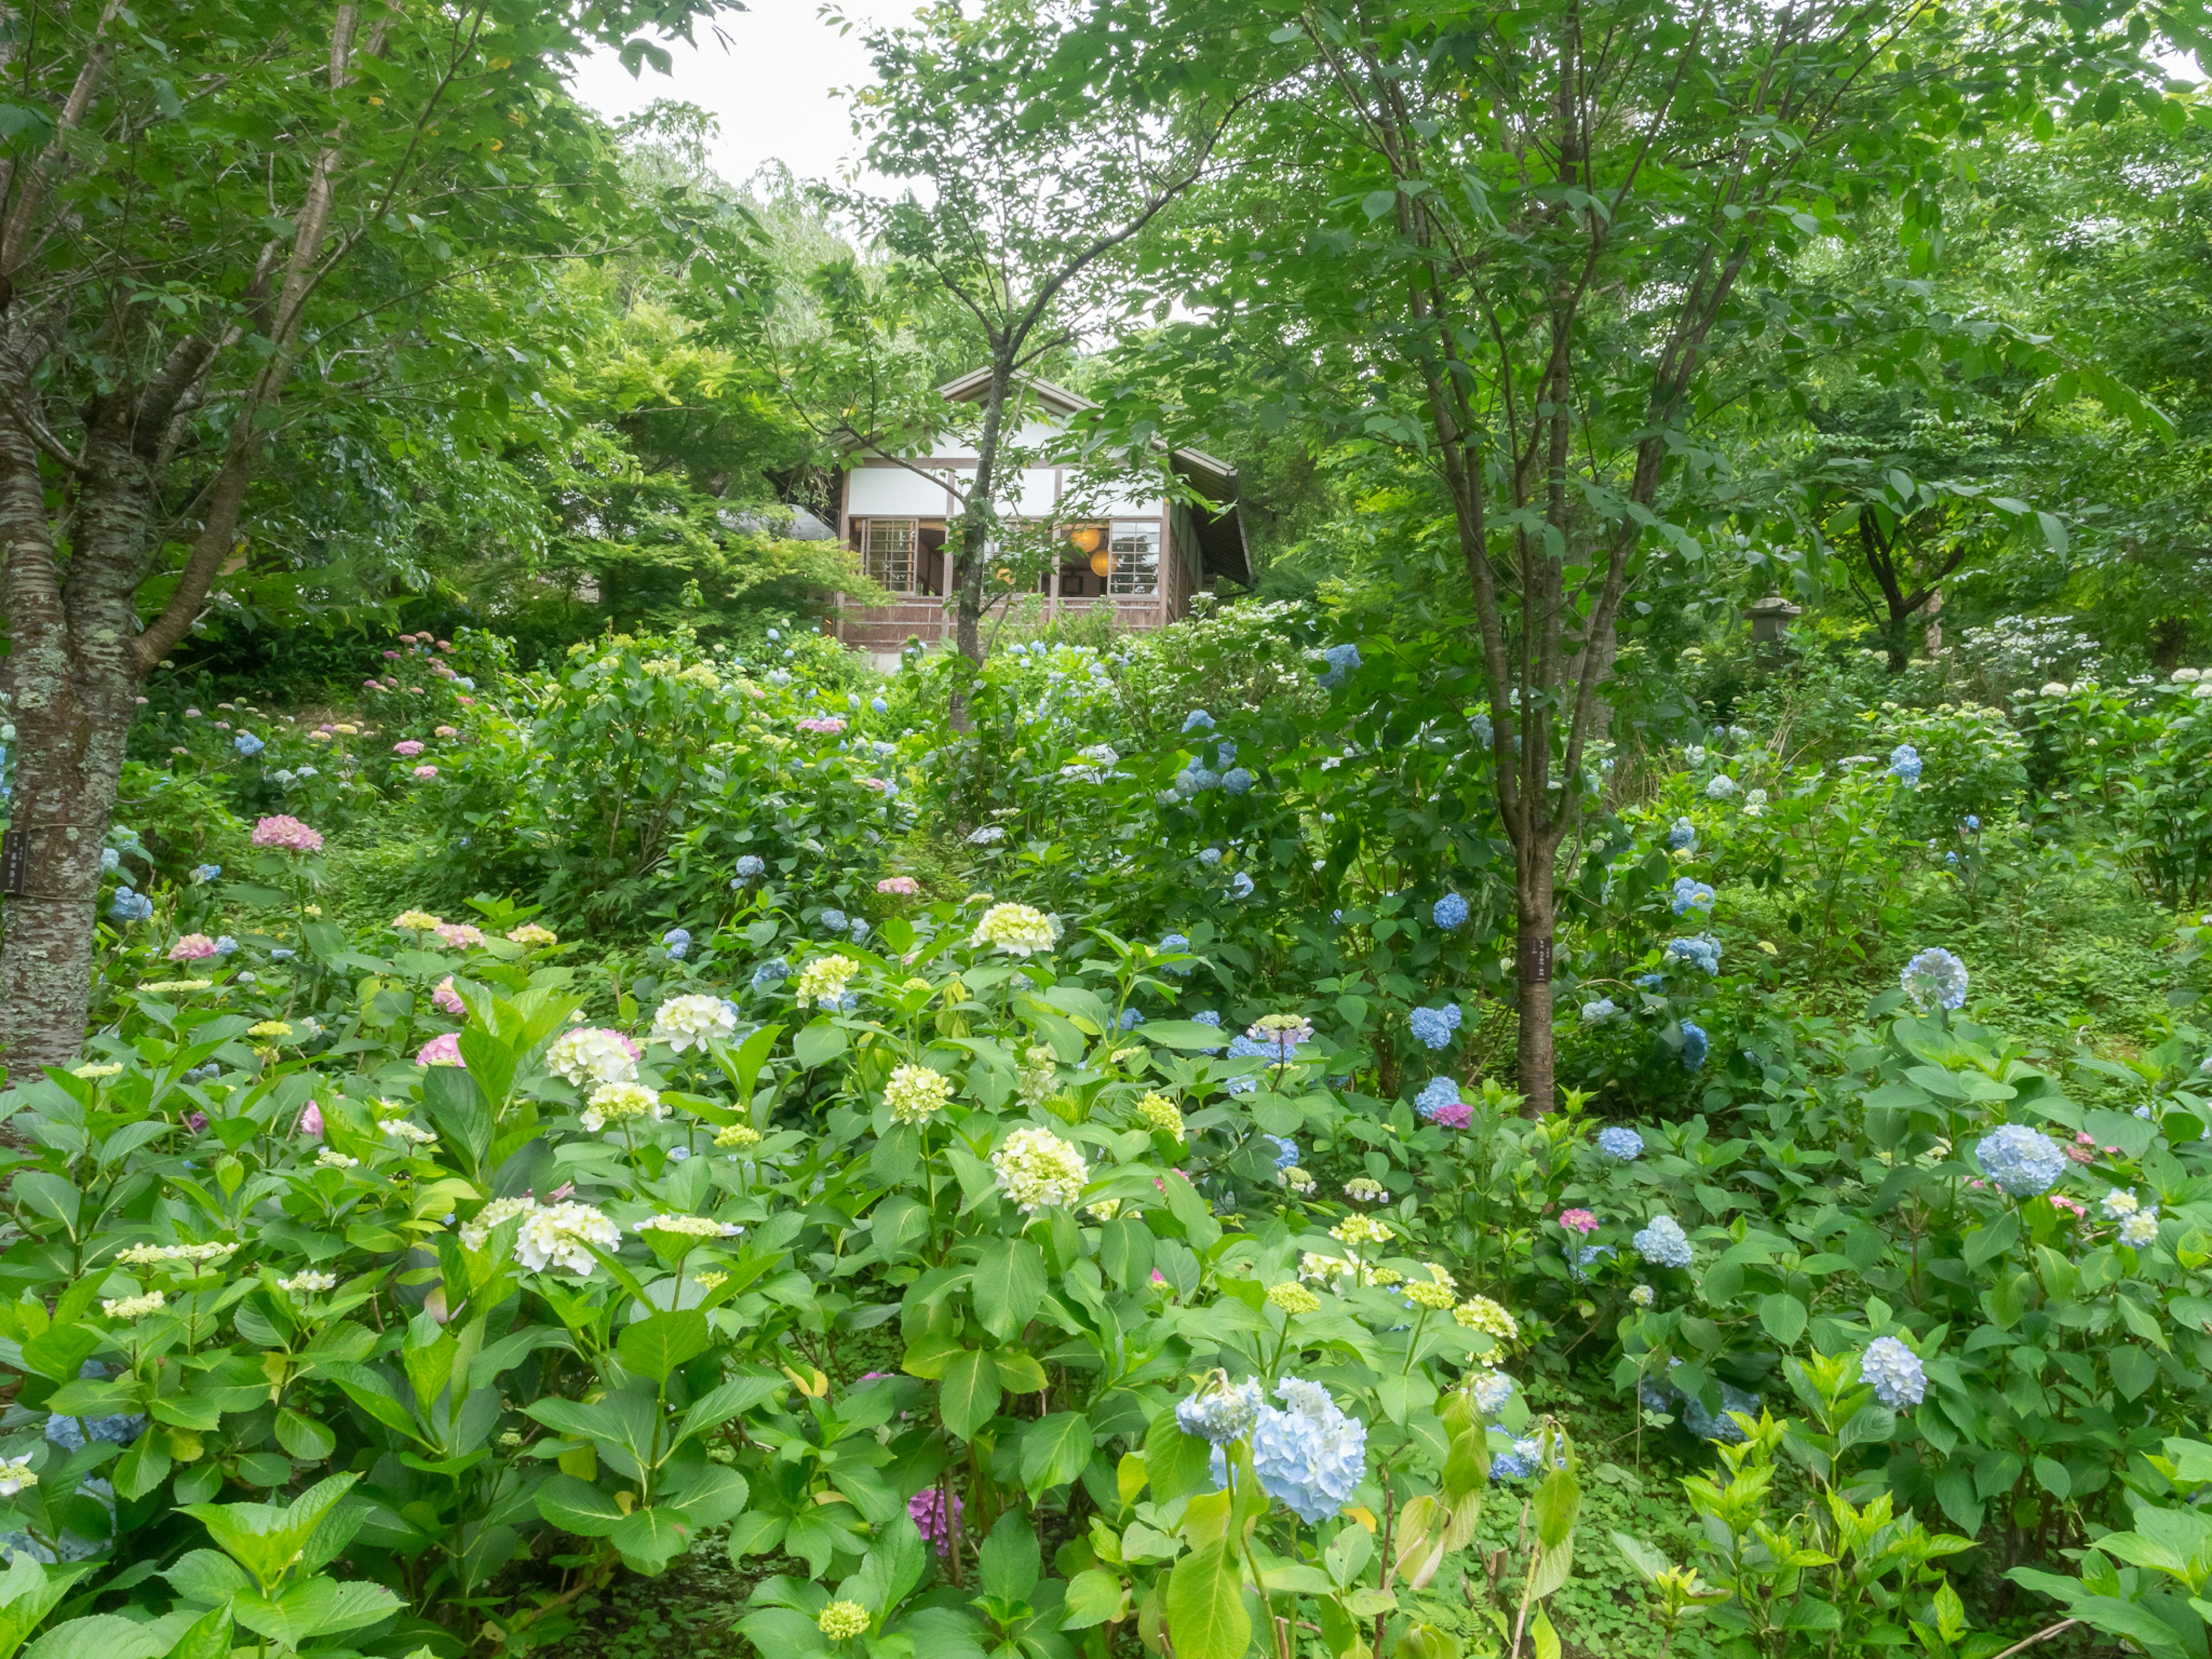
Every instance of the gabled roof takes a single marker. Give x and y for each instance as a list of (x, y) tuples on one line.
[(1221, 535)]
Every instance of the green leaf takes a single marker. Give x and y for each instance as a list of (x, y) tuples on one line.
[(1009, 1562), (968, 1397), (1984, 1244), (657, 1345), (649, 1539), (1094, 1595), (1054, 1450), (1784, 1317), (823, 1040), (1176, 1463), (1205, 1613), (28, 1592), (713, 1496), (1008, 1286), (579, 1507)]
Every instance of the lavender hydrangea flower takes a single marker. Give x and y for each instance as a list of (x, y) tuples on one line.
[(2022, 1162), (1935, 979), (1663, 1243), (1620, 1143), (1894, 1371), (1434, 1026)]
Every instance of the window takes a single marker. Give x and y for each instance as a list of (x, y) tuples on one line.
[(889, 554), (1136, 559)]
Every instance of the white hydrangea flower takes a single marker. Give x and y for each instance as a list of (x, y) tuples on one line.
[(147, 1255), (400, 1129), (330, 1159), (16, 1473), (1037, 1169), (308, 1281), (916, 1092), (688, 1226), (1019, 930), (555, 1236), (2141, 1228), (476, 1232), (694, 1022), (2119, 1203), (133, 1307), (822, 982), (592, 1053), (612, 1102)]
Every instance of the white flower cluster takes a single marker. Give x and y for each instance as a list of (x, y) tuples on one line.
[(330, 1159), (147, 1255), (133, 1307), (1037, 1169), (555, 1236), (1019, 930), (916, 1092), (611, 1103), (308, 1281), (822, 982), (16, 1474), (593, 1054), (476, 1232), (400, 1129), (694, 1022), (688, 1226)]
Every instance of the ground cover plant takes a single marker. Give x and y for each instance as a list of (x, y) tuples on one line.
[(1055, 1186)]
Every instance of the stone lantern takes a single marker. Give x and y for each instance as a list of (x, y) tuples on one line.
[(1770, 621)]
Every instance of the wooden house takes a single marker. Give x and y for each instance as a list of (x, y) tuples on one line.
[(1142, 555)]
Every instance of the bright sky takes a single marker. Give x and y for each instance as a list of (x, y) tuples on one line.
[(770, 75)]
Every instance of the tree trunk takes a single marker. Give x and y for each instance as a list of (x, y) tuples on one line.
[(73, 676), (1533, 900), (977, 524)]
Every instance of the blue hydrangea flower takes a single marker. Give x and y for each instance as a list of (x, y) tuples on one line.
[(858, 930), (1691, 894), (1230, 1414), (1224, 753), (1240, 885), (1682, 835), (1177, 942), (1894, 1371), (2023, 1162), (247, 744), (1449, 912), (1620, 1143), (1131, 1019), (205, 872), (1436, 1093), (1905, 765), (110, 860), (1238, 781), (1695, 1046), (1579, 1264), (1651, 981), (281, 953), (1310, 1458), (1479, 725), (1520, 1462), (770, 973), (1935, 979), (1663, 1243), (1970, 824), (1719, 786), (1700, 950), (1286, 1150), (774, 634), (206, 1073), (127, 906), (225, 945), (1342, 660), (748, 865), (1195, 779), (1597, 1013), (1435, 1026), (835, 921), (1209, 856), (1720, 1426), (678, 940), (879, 705), (1197, 720)]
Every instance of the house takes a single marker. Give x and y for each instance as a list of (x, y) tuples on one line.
[(1141, 556)]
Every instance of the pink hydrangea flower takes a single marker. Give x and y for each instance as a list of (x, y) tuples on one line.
[(192, 947), (409, 747), (460, 935), (1456, 1116), (904, 886), (445, 645), (391, 656), (426, 772), (561, 1192), (930, 1518), (446, 732), (876, 783), (828, 725), (287, 835), (1579, 1221), (327, 729), (191, 714), (371, 685), (2074, 1208), (448, 1000), (444, 1049), (311, 1122), (466, 703)]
